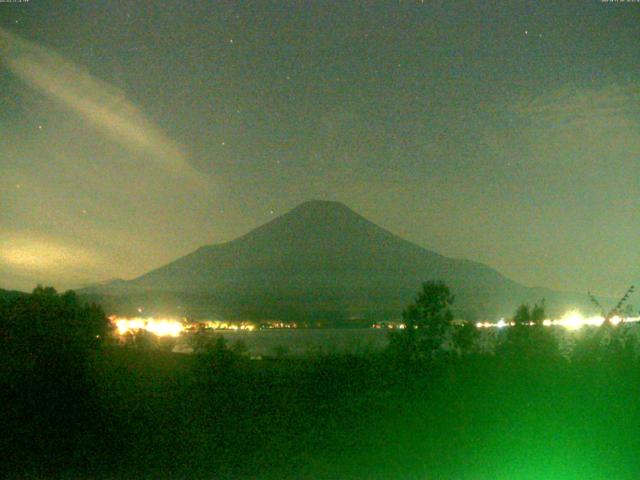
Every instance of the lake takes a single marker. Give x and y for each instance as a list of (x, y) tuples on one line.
[(297, 342)]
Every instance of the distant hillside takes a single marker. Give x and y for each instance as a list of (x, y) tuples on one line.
[(8, 295), (321, 261)]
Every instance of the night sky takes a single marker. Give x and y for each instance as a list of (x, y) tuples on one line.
[(134, 132)]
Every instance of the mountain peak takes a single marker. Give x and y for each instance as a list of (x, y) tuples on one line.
[(318, 203), (319, 218), (322, 207)]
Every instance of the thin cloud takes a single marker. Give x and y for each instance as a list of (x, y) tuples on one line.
[(611, 106), (104, 106), (44, 255)]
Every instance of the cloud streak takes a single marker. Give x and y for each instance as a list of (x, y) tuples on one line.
[(36, 255), (102, 105)]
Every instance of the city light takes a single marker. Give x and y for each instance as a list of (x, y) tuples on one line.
[(161, 327), (171, 327), (221, 325), (572, 320)]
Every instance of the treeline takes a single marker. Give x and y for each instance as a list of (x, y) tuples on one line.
[(48, 346), (431, 335)]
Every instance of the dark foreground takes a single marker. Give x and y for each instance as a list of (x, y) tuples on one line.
[(74, 405), (150, 414)]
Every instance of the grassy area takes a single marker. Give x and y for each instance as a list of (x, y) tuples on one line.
[(152, 414)]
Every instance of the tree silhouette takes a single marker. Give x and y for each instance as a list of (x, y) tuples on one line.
[(46, 327), (47, 346), (428, 322), (464, 337), (528, 340)]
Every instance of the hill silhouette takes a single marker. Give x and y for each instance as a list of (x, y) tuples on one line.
[(9, 295), (320, 261)]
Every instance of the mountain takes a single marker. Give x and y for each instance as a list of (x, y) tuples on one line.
[(320, 261)]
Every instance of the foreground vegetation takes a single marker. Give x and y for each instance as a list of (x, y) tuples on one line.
[(74, 406)]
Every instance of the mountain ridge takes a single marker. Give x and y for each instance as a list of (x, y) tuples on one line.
[(320, 260)]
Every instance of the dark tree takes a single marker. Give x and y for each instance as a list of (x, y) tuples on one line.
[(538, 314), (428, 322), (48, 343), (465, 336), (528, 340), (522, 316), (141, 339), (45, 328), (215, 359)]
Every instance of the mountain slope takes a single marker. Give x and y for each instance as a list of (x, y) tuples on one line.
[(10, 295), (320, 260)]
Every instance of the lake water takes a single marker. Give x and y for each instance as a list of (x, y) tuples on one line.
[(297, 342)]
